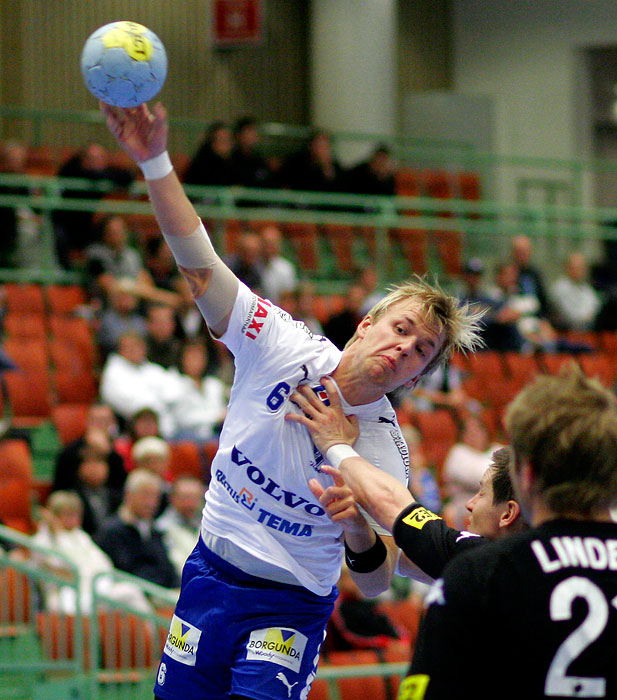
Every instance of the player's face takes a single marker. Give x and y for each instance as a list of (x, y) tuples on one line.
[(396, 348), (484, 515)]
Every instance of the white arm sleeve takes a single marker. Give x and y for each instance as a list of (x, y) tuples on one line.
[(195, 252)]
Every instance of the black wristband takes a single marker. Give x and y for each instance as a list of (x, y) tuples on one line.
[(365, 562)]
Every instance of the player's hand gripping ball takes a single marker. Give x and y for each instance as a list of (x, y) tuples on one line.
[(124, 64)]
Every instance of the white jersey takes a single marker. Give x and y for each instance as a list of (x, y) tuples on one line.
[(260, 513)]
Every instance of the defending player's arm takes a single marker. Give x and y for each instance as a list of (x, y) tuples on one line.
[(379, 493), (143, 135), (371, 559), (426, 541)]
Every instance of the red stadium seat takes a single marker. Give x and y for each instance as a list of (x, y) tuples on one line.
[(63, 299)]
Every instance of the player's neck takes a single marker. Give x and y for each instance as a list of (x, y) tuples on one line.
[(356, 390)]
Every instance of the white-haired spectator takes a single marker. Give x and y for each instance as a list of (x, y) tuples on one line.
[(60, 530), (575, 303)]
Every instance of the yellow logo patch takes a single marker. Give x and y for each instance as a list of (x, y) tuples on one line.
[(129, 36), (413, 687), (419, 517)]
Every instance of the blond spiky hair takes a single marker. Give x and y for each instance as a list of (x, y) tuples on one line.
[(460, 323)]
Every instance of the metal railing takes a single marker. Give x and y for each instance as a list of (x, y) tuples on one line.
[(378, 227), (111, 653)]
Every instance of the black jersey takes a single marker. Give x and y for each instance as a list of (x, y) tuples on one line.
[(537, 611), (428, 542)]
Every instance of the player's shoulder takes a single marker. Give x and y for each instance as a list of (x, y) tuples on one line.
[(482, 562)]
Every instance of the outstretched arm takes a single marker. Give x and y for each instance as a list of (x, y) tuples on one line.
[(143, 135)]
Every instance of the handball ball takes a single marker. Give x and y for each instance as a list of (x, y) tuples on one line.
[(124, 64)]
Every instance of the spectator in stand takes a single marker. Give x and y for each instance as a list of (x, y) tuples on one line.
[(154, 455), (129, 382), (278, 274), (314, 168), (73, 229), (163, 346), (246, 263), (441, 389), (304, 306), (340, 327), (144, 423), (422, 483), (112, 262), (472, 289), (250, 168), (575, 303), (131, 539), (121, 316), (100, 432), (161, 265), (372, 294), (61, 530), (99, 501), (212, 164), (19, 225), (514, 322), (529, 277), (180, 522), (200, 413), (464, 467), (375, 175)]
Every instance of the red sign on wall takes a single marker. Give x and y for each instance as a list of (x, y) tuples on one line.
[(237, 22)]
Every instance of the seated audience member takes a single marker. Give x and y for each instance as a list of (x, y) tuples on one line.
[(180, 522), (162, 345), (375, 175), (61, 531), (575, 303), (19, 225), (443, 388), (153, 454), (212, 164), (422, 482), (161, 265), (129, 382), (250, 168), (304, 306), (73, 229), (101, 430), (340, 327), (513, 322), (99, 501), (314, 168), (529, 278), (131, 539), (464, 467), (143, 423), (199, 414), (372, 293), (278, 274), (246, 262), (472, 289), (122, 315), (112, 262)]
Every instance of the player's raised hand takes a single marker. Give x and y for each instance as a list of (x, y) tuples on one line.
[(140, 132), (328, 425)]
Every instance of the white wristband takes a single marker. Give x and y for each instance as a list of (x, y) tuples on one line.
[(157, 167), (337, 453)]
